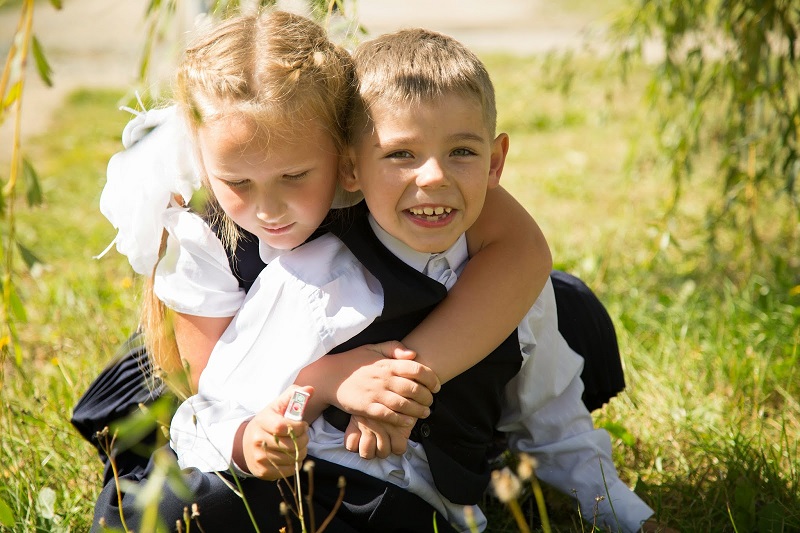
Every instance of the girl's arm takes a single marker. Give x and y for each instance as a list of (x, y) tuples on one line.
[(196, 337)]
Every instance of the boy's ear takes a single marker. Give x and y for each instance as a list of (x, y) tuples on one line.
[(347, 178), (498, 159)]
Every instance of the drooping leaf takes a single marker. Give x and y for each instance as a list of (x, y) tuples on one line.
[(16, 305), (6, 515), (33, 189), (28, 256), (42, 66)]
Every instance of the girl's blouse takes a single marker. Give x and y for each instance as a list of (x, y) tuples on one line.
[(194, 276)]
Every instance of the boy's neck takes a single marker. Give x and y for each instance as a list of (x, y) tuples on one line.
[(457, 254)]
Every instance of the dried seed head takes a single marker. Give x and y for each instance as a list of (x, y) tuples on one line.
[(506, 485), (284, 509), (195, 510), (308, 466), (527, 467), (342, 483)]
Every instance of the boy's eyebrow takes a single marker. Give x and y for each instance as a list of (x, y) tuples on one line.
[(409, 139), (467, 136)]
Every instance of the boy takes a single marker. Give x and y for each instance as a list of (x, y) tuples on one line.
[(424, 154)]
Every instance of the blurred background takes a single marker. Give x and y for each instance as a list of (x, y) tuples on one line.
[(654, 141)]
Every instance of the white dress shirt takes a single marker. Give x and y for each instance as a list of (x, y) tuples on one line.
[(543, 413)]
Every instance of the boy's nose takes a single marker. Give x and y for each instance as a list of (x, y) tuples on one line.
[(431, 174)]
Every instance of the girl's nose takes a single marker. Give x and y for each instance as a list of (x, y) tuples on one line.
[(269, 208), (431, 174)]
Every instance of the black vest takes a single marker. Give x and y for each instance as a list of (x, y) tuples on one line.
[(458, 434)]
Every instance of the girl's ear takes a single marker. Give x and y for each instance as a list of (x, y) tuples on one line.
[(498, 159), (347, 177)]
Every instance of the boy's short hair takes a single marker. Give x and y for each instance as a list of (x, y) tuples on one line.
[(417, 65)]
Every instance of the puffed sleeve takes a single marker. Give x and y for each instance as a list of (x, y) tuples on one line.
[(194, 276)]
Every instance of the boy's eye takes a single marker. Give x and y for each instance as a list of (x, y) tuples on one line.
[(399, 154), (463, 152)]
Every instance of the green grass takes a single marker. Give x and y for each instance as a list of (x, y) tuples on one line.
[(709, 340)]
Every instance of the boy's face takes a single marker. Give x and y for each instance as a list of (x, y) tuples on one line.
[(425, 169)]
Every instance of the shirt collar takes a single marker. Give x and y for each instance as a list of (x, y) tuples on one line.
[(456, 255)]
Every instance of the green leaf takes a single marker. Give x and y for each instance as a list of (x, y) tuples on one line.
[(41, 63), (133, 428), (56, 4), (12, 95), (28, 256), (6, 515), (16, 305), (33, 189), (619, 431)]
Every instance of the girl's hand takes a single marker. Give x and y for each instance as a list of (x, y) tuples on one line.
[(270, 444), (383, 382)]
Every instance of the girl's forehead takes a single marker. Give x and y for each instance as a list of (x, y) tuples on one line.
[(266, 135)]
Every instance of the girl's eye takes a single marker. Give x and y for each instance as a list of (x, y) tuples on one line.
[(237, 184), (294, 177), (462, 152), (399, 154)]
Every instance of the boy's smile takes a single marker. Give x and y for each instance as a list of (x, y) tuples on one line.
[(424, 169)]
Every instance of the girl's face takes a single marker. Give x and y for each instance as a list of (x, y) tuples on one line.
[(280, 193)]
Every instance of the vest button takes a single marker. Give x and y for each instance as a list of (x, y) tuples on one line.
[(425, 429)]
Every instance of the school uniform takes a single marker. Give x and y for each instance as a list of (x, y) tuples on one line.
[(324, 430)]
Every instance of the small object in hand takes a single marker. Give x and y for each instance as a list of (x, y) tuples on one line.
[(297, 405)]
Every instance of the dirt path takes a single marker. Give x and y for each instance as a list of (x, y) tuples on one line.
[(97, 43)]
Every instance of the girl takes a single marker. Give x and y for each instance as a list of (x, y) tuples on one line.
[(266, 99)]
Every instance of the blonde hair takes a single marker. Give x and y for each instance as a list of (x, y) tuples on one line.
[(273, 69), (416, 65)]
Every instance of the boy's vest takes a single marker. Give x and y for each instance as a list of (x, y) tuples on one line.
[(458, 434)]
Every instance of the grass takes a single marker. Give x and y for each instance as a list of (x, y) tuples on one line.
[(710, 341)]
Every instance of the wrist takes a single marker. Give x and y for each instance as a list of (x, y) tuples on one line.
[(238, 457)]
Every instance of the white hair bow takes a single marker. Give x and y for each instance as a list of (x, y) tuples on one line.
[(158, 163)]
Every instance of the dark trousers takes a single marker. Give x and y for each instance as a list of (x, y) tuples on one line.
[(370, 504)]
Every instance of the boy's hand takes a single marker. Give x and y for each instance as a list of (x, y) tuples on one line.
[(372, 438), (269, 444), (384, 383)]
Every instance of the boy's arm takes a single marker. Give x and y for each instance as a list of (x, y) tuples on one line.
[(510, 263), (506, 246)]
